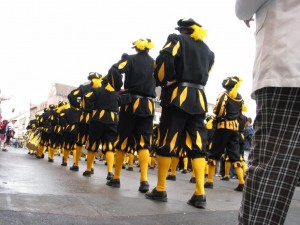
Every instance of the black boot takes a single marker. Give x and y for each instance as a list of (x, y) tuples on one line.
[(74, 168), (209, 185), (114, 183), (130, 168), (157, 195), (193, 180), (144, 186), (239, 188), (110, 175), (50, 160), (87, 173), (198, 201), (225, 178), (171, 177)]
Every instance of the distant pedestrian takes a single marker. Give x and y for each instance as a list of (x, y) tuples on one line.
[(9, 133)]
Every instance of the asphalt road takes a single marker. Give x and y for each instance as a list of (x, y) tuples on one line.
[(35, 192)]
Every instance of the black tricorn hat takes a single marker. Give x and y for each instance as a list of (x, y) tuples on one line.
[(52, 106), (186, 23), (229, 82), (93, 75)]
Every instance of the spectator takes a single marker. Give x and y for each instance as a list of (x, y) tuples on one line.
[(9, 133), (248, 135), (274, 160)]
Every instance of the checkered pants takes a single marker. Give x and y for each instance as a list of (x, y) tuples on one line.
[(274, 160)]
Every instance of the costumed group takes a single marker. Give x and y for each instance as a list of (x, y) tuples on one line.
[(115, 116)]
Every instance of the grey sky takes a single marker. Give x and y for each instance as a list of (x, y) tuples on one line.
[(46, 41)]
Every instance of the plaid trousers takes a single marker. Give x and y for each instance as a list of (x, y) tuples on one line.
[(274, 160)]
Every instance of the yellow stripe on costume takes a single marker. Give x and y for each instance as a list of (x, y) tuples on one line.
[(161, 72), (201, 99), (122, 65), (136, 104), (183, 95), (188, 141), (174, 94), (199, 141), (173, 141)]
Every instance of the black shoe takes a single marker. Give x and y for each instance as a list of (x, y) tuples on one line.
[(87, 173), (239, 188), (209, 185), (50, 160), (92, 171), (74, 168), (151, 168), (198, 201), (64, 164), (110, 175), (130, 168), (155, 195), (123, 166), (171, 177), (4, 150), (193, 180), (144, 186), (184, 171), (38, 157), (114, 183), (42, 156), (225, 178)]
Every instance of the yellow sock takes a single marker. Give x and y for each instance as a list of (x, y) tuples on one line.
[(240, 175), (40, 151), (90, 160), (131, 158), (244, 167), (174, 163), (78, 155), (66, 155), (119, 159), (211, 173), (144, 159), (110, 157), (185, 163), (227, 168), (163, 165), (199, 168), (51, 152), (206, 168)]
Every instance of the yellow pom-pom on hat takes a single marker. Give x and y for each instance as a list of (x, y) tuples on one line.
[(143, 44)]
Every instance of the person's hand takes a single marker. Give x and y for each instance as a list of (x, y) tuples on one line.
[(247, 22), (122, 91), (169, 83)]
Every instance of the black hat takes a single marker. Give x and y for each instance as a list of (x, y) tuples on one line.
[(186, 23), (52, 106), (93, 75), (229, 82), (60, 103)]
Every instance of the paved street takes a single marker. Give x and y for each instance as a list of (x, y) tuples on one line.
[(35, 192)]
